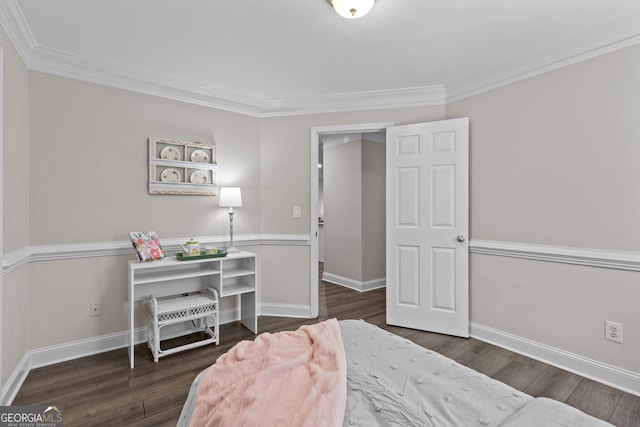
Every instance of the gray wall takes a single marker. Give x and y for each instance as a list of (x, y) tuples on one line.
[(354, 211), (15, 206), (343, 210), (554, 161), (373, 210)]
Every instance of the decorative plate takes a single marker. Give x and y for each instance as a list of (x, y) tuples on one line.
[(170, 153), (199, 156), (199, 177), (170, 175)]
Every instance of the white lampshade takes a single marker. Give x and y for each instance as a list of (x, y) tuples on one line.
[(230, 197), (352, 9)]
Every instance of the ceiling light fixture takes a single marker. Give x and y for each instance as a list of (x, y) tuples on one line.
[(352, 9)]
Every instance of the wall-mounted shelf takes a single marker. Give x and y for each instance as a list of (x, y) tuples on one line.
[(180, 167)]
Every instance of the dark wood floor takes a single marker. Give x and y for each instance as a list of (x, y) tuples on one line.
[(102, 390)]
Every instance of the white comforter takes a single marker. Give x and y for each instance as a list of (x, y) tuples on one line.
[(392, 381)]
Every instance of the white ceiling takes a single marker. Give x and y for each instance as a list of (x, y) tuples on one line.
[(269, 57)]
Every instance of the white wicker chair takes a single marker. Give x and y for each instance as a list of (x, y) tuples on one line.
[(196, 308)]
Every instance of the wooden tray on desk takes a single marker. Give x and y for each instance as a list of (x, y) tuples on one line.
[(180, 256)]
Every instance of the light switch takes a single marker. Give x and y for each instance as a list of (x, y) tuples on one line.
[(296, 211)]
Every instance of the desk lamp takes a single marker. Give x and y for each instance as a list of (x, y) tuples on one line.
[(230, 197)]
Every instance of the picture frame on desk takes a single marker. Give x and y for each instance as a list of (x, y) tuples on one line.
[(147, 245)]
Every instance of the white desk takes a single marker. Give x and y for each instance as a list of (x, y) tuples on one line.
[(235, 274)]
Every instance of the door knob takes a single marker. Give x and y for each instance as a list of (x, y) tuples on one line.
[(460, 238)]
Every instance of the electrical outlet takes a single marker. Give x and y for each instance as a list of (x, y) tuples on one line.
[(613, 331), (95, 309)]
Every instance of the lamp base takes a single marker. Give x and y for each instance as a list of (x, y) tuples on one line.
[(232, 249)]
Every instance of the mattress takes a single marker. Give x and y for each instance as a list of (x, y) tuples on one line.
[(392, 381)]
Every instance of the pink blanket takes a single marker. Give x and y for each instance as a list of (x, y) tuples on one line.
[(282, 379)]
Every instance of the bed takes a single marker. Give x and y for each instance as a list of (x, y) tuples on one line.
[(383, 380)]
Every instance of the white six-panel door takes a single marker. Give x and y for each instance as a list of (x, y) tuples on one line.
[(428, 226)]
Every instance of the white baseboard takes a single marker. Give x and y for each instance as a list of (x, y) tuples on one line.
[(601, 372), (615, 377), (73, 350), (356, 285), (76, 349), (285, 310), (13, 384)]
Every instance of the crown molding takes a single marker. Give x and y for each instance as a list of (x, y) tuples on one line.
[(560, 54), (63, 64), (15, 25), (356, 101), (563, 53), (52, 61)]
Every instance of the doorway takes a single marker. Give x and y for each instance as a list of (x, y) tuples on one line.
[(318, 132)]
